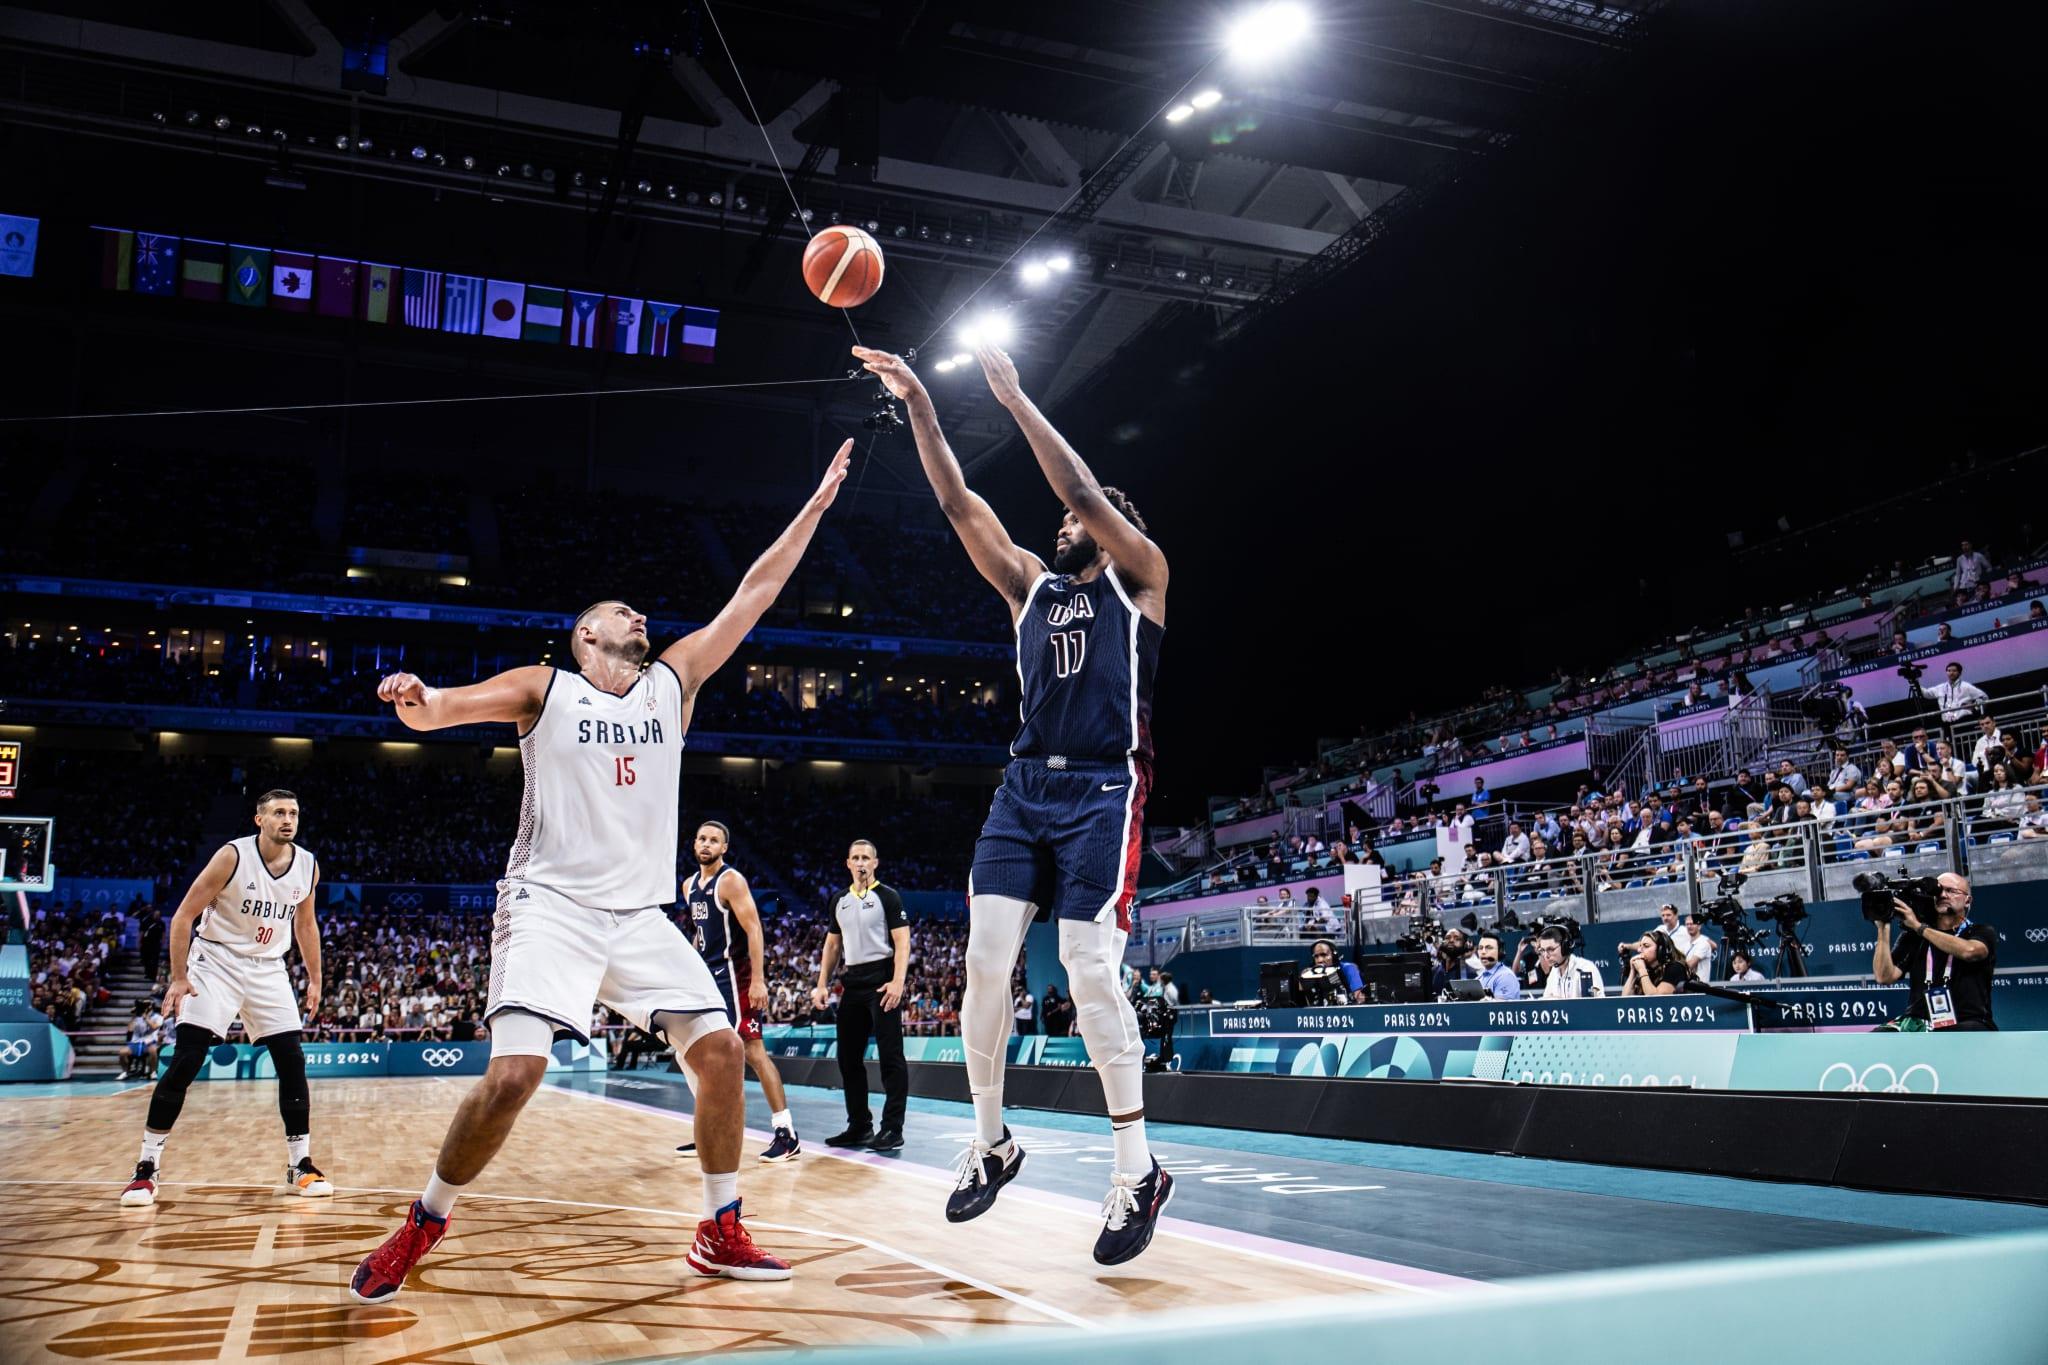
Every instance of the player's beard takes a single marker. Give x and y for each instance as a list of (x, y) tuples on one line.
[(1078, 555), (633, 649), (707, 859)]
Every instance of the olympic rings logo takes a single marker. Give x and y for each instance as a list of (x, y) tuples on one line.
[(2037, 935), (1863, 1083), (14, 1049), (441, 1056), (404, 900)]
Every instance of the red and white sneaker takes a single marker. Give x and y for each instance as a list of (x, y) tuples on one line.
[(141, 1191), (724, 1248), (382, 1273)]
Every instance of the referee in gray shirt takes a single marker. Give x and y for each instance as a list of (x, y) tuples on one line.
[(869, 921)]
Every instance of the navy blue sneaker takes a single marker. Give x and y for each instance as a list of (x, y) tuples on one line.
[(784, 1148), (687, 1149), (1130, 1213), (982, 1176)]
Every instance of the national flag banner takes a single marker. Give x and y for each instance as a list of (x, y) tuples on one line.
[(248, 275), (658, 327), (379, 292), (462, 304), (622, 325), (117, 257), (156, 264), (503, 302), (585, 310), (206, 268), (18, 244), (334, 289), (291, 281), (543, 322), (422, 298), (700, 334)]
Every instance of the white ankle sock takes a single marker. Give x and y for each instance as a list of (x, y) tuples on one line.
[(782, 1119), (988, 1116), (720, 1190), (153, 1146), (440, 1196), (297, 1149), (1133, 1154)]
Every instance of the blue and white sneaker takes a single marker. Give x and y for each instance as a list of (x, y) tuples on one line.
[(1130, 1214), (784, 1148), (982, 1175)]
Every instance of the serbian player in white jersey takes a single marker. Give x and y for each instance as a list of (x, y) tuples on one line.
[(580, 916), (253, 900)]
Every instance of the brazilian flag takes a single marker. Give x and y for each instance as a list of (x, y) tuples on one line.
[(249, 276)]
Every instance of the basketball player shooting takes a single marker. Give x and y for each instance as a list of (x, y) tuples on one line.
[(1062, 834), (580, 916)]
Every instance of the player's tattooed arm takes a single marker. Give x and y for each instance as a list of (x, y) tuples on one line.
[(513, 697), (1009, 567), (704, 651), (1140, 562)]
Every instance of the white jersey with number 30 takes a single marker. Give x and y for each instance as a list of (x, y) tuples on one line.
[(597, 823), (253, 914)]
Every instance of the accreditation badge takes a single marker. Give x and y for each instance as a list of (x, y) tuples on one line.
[(1941, 1009)]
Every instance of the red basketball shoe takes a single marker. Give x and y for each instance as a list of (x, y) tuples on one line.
[(724, 1248), (382, 1273), (141, 1191)]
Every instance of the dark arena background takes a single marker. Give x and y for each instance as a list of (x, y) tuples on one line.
[(1600, 449)]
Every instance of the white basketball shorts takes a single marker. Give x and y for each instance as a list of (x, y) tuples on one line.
[(555, 958), (226, 984)]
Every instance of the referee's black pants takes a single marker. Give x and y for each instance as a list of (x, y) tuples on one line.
[(861, 1017)]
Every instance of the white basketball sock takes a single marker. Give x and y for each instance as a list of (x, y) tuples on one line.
[(440, 1196), (781, 1119), (1133, 1153), (297, 1149), (720, 1190), (153, 1146)]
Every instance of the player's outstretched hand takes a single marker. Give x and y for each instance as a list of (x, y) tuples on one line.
[(403, 689), (178, 990), (835, 474), (893, 370), (1000, 372)]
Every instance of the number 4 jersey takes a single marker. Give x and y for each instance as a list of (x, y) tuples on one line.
[(1085, 662), (597, 822), (252, 916)]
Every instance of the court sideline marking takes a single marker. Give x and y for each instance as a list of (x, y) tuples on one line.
[(1383, 1274)]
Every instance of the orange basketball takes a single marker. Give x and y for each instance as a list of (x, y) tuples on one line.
[(843, 266)]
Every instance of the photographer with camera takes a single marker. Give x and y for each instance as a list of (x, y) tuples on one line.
[(1945, 957), (1957, 699)]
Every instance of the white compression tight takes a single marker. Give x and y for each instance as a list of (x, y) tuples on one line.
[(1093, 954), (996, 926)]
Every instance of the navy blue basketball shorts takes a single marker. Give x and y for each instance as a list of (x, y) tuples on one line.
[(1065, 839)]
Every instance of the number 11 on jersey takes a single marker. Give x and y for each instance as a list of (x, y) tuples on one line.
[(1069, 647)]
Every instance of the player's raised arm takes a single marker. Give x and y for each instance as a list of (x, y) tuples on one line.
[(513, 697), (704, 651), (1141, 562), (1009, 567)]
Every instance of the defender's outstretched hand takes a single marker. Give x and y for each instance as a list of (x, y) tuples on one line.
[(893, 370), (835, 474), (1001, 373)]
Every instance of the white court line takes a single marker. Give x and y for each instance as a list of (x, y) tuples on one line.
[(1021, 1300), (1179, 1228)]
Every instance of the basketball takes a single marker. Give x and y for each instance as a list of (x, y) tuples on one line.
[(843, 266)]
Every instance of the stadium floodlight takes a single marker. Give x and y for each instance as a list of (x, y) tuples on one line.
[(1204, 99), (1060, 261), (962, 358), (1036, 273), (1264, 33), (1180, 113), (945, 366), (990, 329)]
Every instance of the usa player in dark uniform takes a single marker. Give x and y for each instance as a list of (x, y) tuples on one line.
[(1062, 835), (716, 902)]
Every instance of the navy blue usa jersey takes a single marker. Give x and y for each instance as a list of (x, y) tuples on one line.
[(710, 924), (1085, 660)]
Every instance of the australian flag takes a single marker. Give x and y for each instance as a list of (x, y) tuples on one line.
[(156, 264)]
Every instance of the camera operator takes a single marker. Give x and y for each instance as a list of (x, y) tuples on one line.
[(1567, 976), (1496, 976), (1947, 963), (1654, 964), (1957, 699)]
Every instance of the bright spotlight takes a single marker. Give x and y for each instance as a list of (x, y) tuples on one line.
[(1202, 99), (945, 366), (1180, 112), (962, 358), (1037, 273), (1267, 31), (1061, 262), (990, 329)]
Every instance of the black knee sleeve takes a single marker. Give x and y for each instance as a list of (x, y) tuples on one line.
[(294, 1100), (194, 1043)]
